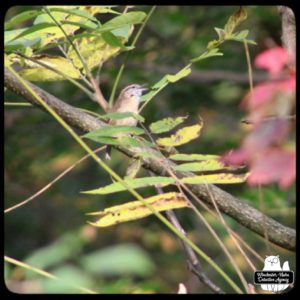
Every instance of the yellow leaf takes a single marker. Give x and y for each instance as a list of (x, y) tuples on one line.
[(136, 209), (182, 136), (36, 72), (94, 50), (221, 178)]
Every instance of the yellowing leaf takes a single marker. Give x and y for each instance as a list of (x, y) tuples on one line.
[(221, 178), (206, 165), (165, 124), (36, 72), (192, 157), (237, 18), (94, 50), (182, 136), (136, 209)]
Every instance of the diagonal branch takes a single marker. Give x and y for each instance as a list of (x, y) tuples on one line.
[(242, 212)]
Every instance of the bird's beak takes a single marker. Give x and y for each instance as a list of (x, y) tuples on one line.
[(143, 88)]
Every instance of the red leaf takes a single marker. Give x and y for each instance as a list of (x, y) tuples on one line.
[(273, 60), (274, 165), (262, 94), (235, 157)]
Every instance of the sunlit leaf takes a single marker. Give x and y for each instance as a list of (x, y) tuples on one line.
[(94, 50), (165, 124), (182, 73), (220, 32), (213, 44), (206, 165), (77, 12), (241, 37), (221, 178), (168, 78), (133, 183), (36, 72), (82, 24), (136, 209), (21, 17), (129, 18), (182, 136), (35, 29), (155, 89)]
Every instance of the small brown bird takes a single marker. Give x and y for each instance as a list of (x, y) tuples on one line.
[(128, 101)]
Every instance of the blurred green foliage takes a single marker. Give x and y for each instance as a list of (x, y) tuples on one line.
[(51, 232)]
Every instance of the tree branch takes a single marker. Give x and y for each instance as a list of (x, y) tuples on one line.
[(288, 31), (243, 213)]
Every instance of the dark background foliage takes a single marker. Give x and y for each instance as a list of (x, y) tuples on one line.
[(52, 231)]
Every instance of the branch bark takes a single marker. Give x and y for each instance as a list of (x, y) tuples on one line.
[(288, 31), (243, 213)]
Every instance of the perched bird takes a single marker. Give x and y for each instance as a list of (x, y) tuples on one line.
[(128, 101)]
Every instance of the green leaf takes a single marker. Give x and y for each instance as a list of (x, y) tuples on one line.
[(34, 29), (133, 183), (206, 165), (134, 142), (241, 37), (182, 73), (221, 178), (122, 115), (165, 124), (130, 18), (193, 157), (155, 89), (105, 140), (82, 24), (114, 131), (213, 44), (112, 40), (207, 54), (11, 43), (21, 17)]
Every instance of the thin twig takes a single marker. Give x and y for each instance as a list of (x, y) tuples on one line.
[(112, 95), (240, 211), (212, 231), (194, 264), (46, 187), (99, 96), (80, 86)]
